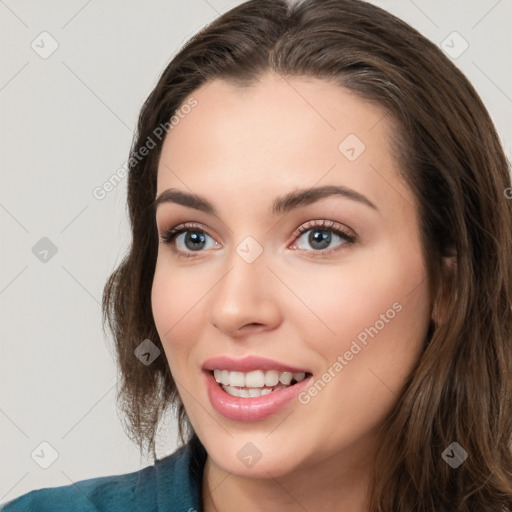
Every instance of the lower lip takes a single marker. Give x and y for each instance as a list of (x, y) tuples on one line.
[(251, 409)]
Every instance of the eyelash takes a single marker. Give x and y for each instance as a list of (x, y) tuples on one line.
[(170, 235)]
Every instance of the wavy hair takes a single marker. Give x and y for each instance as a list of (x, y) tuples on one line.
[(450, 156)]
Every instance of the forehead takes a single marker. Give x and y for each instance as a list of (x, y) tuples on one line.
[(279, 134)]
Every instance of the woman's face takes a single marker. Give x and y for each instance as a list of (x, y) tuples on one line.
[(345, 302)]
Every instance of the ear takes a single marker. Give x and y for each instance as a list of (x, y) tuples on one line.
[(448, 270)]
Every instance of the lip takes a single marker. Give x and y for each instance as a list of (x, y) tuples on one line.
[(248, 364), (251, 409)]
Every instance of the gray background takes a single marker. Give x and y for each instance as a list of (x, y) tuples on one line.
[(66, 126)]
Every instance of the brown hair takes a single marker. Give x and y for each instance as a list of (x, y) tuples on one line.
[(450, 156)]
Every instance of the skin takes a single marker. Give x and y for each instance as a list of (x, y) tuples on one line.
[(240, 148)]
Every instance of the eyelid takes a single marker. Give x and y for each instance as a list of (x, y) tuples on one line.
[(322, 224), (180, 228)]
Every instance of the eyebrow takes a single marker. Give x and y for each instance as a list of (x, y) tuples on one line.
[(282, 204)]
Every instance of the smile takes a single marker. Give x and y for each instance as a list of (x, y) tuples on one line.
[(246, 404), (256, 383)]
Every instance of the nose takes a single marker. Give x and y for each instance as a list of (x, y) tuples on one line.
[(246, 298)]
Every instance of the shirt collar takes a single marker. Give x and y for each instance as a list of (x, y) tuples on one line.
[(179, 478)]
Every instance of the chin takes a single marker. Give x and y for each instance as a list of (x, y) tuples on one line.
[(253, 455)]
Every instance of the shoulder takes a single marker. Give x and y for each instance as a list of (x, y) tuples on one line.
[(87, 495), (168, 483)]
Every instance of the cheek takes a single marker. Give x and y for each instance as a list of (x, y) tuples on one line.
[(176, 306), (348, 301), (375, 317), (380, 317)]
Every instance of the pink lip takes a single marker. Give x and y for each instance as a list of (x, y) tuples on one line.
[(248, 364), (250, 409)]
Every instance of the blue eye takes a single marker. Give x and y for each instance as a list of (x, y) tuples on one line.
[(320, 235), (195, 238)]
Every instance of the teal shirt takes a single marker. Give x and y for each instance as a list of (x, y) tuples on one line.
[(171, 484)]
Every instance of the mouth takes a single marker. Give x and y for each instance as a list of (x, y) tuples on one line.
[(252, 388), (256, 383)]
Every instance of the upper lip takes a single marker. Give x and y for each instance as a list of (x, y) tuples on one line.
[(248, 364)]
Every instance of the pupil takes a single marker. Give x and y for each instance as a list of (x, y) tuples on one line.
[(323, 240)]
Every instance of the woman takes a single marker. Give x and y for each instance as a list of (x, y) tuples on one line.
[(320, 276)]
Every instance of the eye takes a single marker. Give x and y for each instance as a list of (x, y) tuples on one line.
[(191, 235), (320, 236), (194, 238)]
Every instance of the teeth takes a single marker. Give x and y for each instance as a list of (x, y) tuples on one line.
[(299, 376), (257, 378), (271, 378), (237, 379), (285, 378), (251, 392), (254, 392)]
